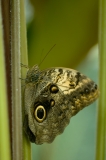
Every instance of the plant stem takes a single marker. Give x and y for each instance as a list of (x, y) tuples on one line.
[(4, 122), (101, 128), (21, 148), (16, 83), (24, 60)]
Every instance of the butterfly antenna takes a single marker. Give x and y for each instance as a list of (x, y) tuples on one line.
[(46, 55)]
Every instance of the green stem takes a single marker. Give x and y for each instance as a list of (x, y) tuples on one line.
[(4, 123), (24, 60), (16, 83), (21, 147), (101, 128)]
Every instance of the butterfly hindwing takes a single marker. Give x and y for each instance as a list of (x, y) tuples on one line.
[(52, 97)]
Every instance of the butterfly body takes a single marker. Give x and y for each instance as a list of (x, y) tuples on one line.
[(52, 97)]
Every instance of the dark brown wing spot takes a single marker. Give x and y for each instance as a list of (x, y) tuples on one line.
[(54, 89), (86, 91), (60, 70), (78, 77), (40, 113)]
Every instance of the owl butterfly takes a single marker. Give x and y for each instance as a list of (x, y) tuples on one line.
[(52, 97)]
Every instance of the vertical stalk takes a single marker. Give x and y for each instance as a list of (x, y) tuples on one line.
[(101, 128), (24, 60), (4, 119), (16, 83), (21, 148)]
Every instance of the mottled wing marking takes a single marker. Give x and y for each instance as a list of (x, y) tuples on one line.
[(52, 97)]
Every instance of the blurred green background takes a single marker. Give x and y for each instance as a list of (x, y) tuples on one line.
[(73, 26)]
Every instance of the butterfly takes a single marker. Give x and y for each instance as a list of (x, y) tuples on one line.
[(52, 97)]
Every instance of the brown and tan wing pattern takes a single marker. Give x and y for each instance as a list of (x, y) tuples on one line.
[(52, 97)]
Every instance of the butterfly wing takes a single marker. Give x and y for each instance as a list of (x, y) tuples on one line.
[(52, 99)]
